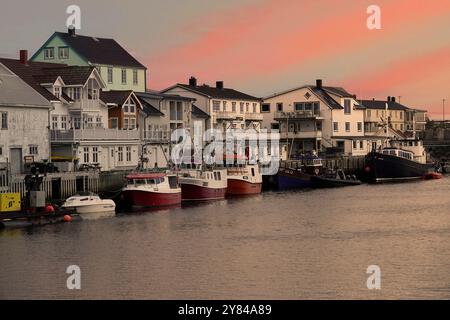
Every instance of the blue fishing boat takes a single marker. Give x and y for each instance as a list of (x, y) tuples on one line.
[(297, 174)]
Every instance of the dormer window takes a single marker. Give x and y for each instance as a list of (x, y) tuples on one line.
[(49, 53), (57, 92), (347, 106), (63, 53)]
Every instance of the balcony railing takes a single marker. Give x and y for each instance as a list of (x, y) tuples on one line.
[(254, 116), (93, 134), (305, 114), (301, 135), (226, 115), (157, 136)]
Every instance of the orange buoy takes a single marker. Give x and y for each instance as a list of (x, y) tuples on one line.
[(67, 218), (49, 209)]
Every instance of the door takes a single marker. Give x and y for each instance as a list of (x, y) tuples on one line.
[(15, 155)]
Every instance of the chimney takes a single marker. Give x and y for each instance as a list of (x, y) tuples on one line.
[(219, 85), (192, 81), (71, 31), (319, 83), (389, 99), (393, 99), (23, 57)]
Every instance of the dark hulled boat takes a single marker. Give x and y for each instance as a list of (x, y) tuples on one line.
[(334, 179), (297, 174), (402, 160)]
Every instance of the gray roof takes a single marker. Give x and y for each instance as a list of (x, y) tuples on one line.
[(15, 92)]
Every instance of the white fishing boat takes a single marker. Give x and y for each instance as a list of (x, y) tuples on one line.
[(90, 205)]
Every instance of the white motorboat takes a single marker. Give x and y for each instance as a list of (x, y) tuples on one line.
[(90, 205)]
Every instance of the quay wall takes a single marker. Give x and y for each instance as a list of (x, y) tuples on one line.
[(59, 186)]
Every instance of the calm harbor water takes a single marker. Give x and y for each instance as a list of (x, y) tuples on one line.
[(280, 245)]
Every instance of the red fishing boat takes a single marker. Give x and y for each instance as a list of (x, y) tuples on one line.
[(202, 184), (152, 190), (243, 178)]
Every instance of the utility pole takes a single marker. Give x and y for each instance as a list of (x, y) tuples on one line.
[(443, 111)]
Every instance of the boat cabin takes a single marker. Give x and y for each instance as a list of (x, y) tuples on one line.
[(153, 180)]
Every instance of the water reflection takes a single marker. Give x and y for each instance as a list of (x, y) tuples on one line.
[(281, 245)]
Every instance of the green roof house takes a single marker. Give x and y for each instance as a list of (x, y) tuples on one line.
[(118, 68)]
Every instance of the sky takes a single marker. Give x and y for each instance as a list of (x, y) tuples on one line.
[(263, 46)]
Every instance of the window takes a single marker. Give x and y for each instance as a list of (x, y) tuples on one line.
[(347, 106), (135, 77), (63, 53), (124, 76), (369, 113), (110, 75), (224, 104), (95, 154), (33, 149), (132, 124), (241, 107), (63, 122), (1, 150), (54, 122), (216, 106), (355, 144), (120, 154), (347, 126), (316, 107), (359, 126), (247, 105), (279, 106), (126, 123), (298, 106), (265, 107), (114, 123), (233, 106), (4, 119), (74, 93), (57, 92), (128, 154), (308, 106), (254, 107), (361, 144), (49, 53), (76, 122), (335, 126), (86, 154)]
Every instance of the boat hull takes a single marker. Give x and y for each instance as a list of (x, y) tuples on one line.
[(240, 187), (323, 182), (387, 168), (191, 192), (139, 198), (293, 179)]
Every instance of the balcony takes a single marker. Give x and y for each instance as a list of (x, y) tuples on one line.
[(224, 115), (69, 136), (304, 114), (158, 136), (254, 117), (301, 135)]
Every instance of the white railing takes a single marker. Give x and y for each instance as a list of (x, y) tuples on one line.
[(254, 116), (301, 135), (93, 134), (296, 114), (157, 136)]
